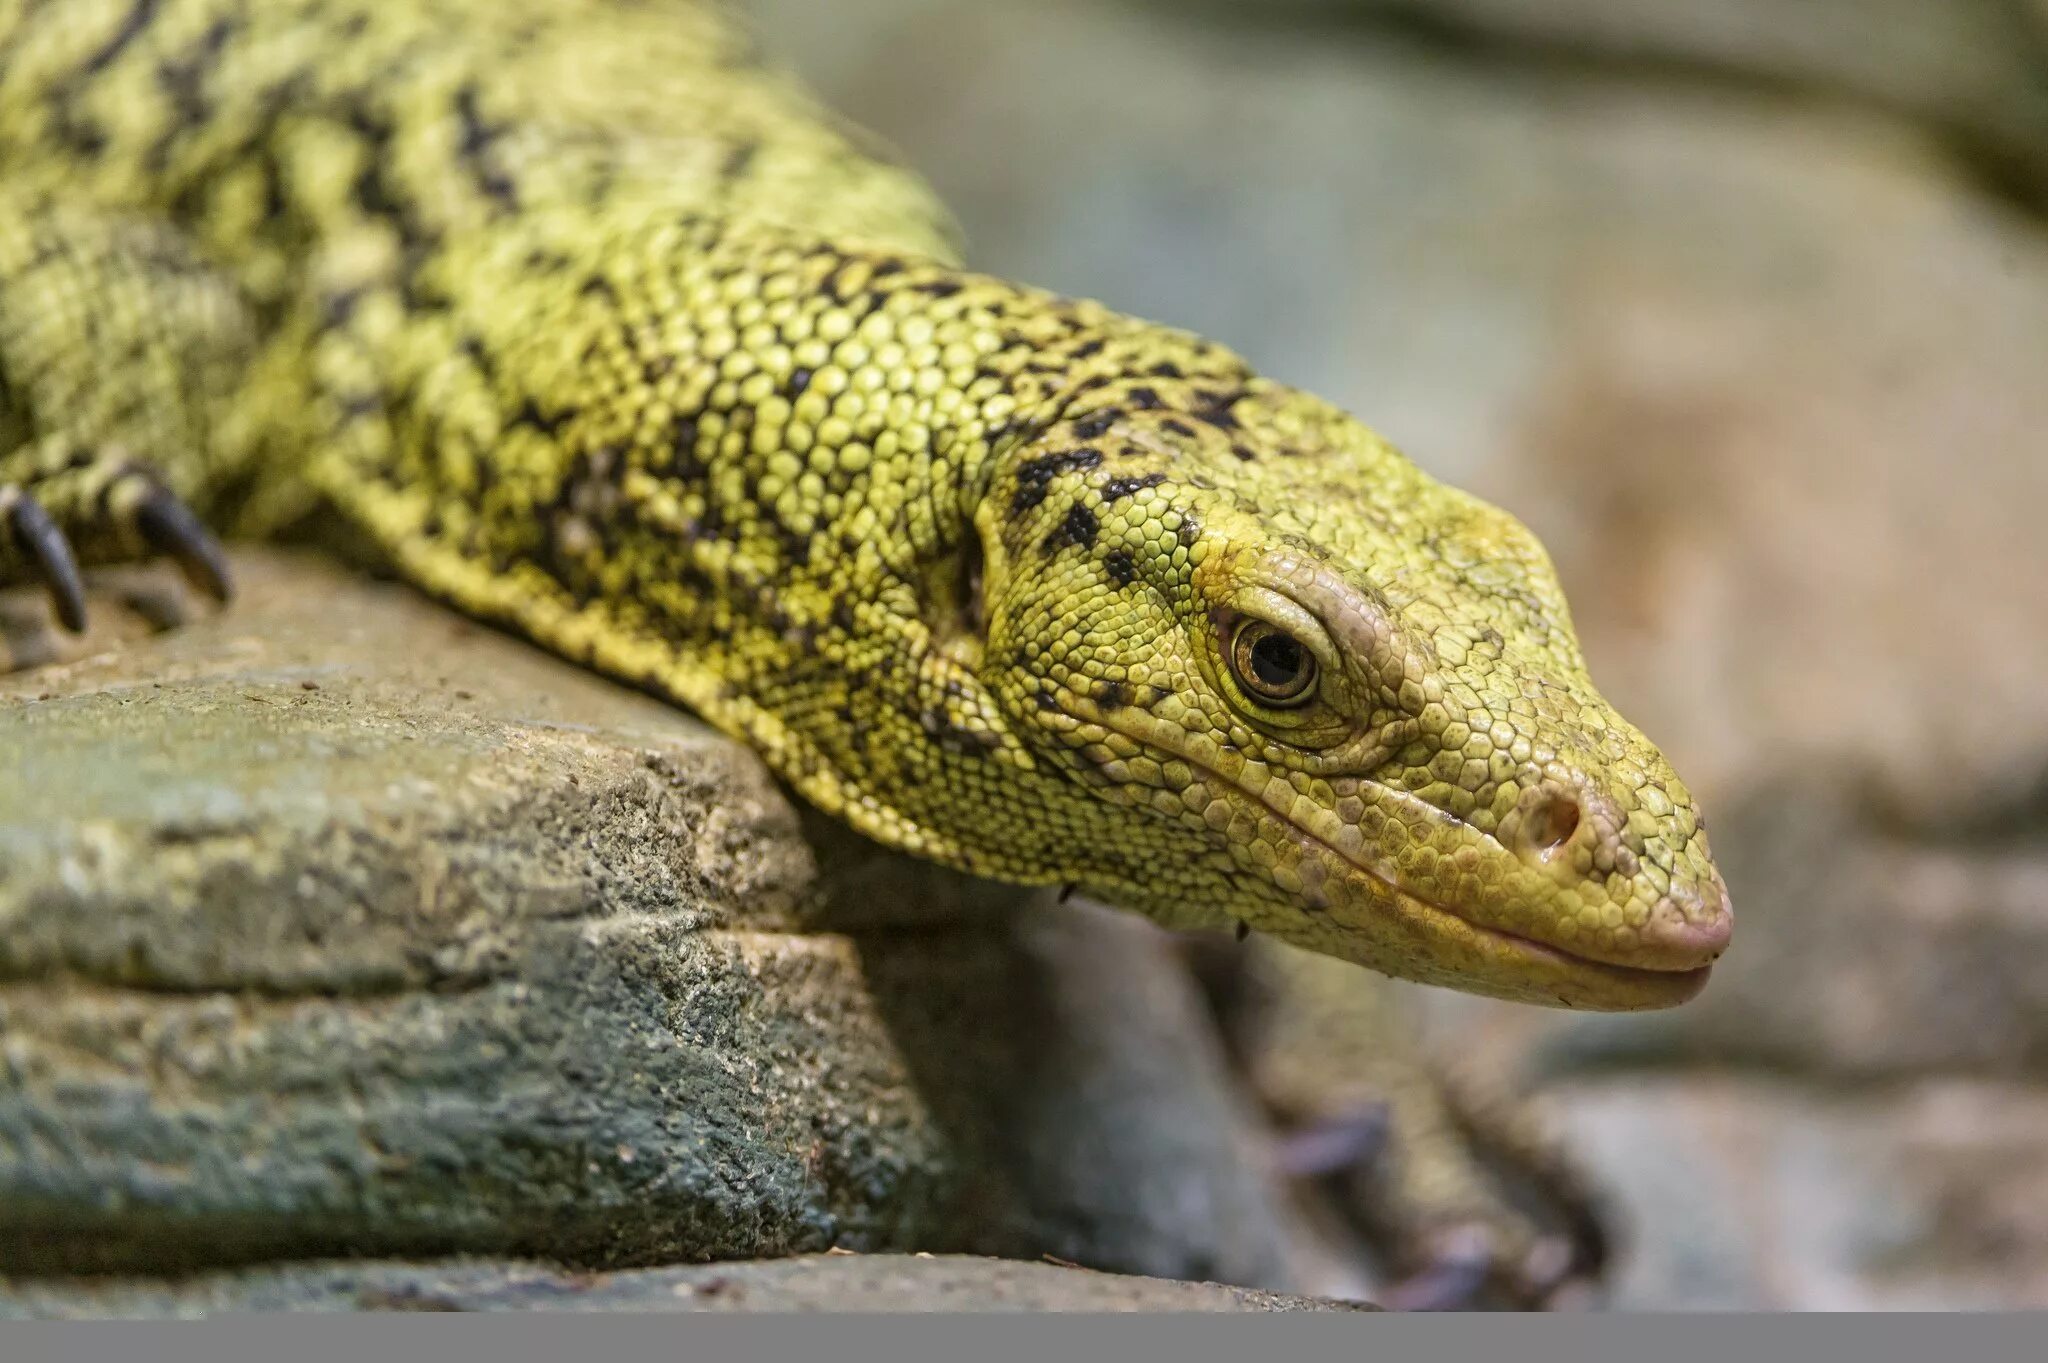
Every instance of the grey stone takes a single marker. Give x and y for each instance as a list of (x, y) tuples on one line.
[(817, 1283), (1759, 1192), (1975, 69), (334, 923)]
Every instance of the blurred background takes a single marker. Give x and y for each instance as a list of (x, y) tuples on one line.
[(1744, 307)]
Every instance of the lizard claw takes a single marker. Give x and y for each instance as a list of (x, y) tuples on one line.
[(171, 528), (1464, 1269), (1454, 1275), (1557, 1273), (1328, 1145), (38, 540)]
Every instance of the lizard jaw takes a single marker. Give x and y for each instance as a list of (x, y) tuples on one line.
[(1537, 972), (1475, 958), (1400, 933)]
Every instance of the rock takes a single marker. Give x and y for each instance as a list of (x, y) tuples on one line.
[(1768, 1193), (335, 924), (1977, 69), (818, 1283)]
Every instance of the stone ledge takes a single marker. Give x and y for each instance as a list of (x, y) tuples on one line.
[(883, 1283)]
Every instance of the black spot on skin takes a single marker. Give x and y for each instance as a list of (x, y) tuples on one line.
[(1093, 427), (1146, 399), (956, 738), (940, 288), (530, 414), (84, 136), (684, 442), (183, 82), (842, 616), (1090, 350), (1166, 370), (474, 149), (137, 19), (1215, 410), (799, 381), (1112, 695), (338, 307), (273, 187), (1243, 452), (1116, 489), (1046, 700), (1179, 428), (473, 349), (1077, 528), (739, 160), (1035, 476), (1122, 569), (1190, 531)]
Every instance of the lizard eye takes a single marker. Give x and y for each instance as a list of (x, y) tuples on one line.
[(1271, 665)]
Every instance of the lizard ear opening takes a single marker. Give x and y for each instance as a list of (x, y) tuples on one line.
[(954, 601), (973, 573)]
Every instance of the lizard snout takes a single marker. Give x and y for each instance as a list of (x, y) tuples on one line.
[(1634, 901), (1689, 927)]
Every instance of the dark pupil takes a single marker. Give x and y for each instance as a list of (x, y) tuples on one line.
[(1277, 661)]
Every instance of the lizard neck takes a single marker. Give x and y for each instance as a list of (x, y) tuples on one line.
[(784, 402), (751, 470)]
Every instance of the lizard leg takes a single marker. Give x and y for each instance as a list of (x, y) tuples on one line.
[(1460, 1194), (119, 351)]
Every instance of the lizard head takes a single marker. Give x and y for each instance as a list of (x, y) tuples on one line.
[(1334, 700)]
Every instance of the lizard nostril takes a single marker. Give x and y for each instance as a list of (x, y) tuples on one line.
[(1550, 825)]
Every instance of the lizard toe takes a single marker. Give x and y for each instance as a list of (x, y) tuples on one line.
[(174, 530), (32, 537)]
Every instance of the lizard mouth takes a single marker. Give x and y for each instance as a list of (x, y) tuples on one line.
[(1509, 965), (1464, 953), (1544, 973)]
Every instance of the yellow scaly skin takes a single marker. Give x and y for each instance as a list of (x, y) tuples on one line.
[(602, 332)]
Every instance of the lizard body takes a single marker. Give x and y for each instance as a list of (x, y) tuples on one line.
[(602, 332)]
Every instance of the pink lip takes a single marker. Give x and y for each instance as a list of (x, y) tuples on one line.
[(1672, 986)]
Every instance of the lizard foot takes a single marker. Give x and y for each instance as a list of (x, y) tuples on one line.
[(101, 511), (1466, 1202), (1454, 1191)]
